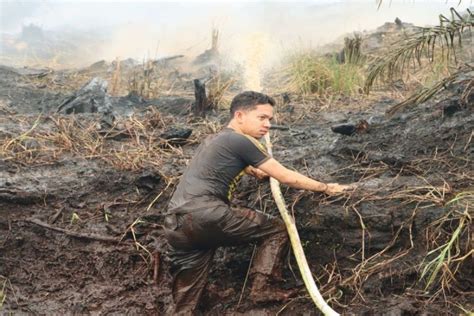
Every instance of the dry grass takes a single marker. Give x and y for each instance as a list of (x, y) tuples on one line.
[(381, 263), (146, 81), (83, 137), (132, 144), (437, 260), (218, 90), (153, 78), (450, 250), (5, 284)]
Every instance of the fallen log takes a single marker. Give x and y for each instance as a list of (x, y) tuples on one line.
[(296, 243)]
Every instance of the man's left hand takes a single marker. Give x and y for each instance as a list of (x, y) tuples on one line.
[(257, 173)]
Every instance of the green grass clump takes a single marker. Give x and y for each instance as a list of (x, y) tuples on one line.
[(347, 78), (308, 74)]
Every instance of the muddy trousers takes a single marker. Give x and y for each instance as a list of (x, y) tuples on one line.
[(198, 234)]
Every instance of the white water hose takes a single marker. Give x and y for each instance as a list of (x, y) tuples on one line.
[(296, 243)]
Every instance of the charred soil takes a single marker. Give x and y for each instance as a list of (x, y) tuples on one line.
[(81, 204)]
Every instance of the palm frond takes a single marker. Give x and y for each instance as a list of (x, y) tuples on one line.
[(463, 76), (447, 36)]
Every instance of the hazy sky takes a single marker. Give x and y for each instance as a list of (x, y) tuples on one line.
[(136, 28), (84, 14)]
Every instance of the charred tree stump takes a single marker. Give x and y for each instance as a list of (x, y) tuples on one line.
[(202, 105)]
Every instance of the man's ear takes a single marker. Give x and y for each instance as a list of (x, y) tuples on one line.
[(238, 116)]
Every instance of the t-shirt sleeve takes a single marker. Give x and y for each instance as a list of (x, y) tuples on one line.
[(249, 149)]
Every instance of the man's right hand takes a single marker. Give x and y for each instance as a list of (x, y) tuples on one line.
[(335, 188)]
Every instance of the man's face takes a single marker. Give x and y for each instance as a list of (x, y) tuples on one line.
[(256, 122)]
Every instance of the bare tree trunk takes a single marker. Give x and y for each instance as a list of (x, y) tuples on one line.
[(201, 106)]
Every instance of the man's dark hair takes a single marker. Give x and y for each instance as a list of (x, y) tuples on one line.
[(248, 100)]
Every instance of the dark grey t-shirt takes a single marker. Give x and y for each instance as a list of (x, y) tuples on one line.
[(217, 166)]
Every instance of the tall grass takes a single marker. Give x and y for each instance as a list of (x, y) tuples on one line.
[(346, 78), (308, 73)]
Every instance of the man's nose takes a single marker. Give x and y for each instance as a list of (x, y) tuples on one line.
[(267, 123)]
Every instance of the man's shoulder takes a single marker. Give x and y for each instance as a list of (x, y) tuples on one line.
[(232, 138), (227, 136)]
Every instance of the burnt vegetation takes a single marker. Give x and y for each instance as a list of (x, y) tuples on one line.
[(83, 191)]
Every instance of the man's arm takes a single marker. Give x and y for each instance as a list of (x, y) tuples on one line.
[(296, 180)]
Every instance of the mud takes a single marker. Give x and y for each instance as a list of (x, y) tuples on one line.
[(365, 249)]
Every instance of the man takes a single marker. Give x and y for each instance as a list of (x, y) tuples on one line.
[(201, 218)]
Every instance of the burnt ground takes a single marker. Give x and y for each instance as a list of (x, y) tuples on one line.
[(81, 203)]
